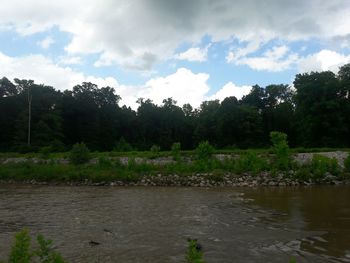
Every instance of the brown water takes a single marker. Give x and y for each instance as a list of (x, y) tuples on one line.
[(152, 224)]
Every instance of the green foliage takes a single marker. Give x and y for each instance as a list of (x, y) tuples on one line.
[(122, 146), (347, 163), (194, 252), (79, 154), (91, 114), (155, 149), (281, 150), (46, 253), (176, 151), (250, 162), (204, 151), (21, 250), (104, 162), (320, 165), (45, 152)]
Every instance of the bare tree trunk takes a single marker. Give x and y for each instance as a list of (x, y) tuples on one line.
[(29, 114)]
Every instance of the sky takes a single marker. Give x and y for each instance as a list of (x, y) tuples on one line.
[(190, 50)]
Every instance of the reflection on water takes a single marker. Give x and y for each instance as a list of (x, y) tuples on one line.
[(152, 224), (323, 210)]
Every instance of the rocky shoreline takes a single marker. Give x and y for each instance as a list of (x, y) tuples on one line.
[(264, 179), (300, 158)]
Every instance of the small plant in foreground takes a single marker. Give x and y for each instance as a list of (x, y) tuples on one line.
[(175, 151), (21, 250), (204, 151), (194, 252), (280, 149), (79, 154)]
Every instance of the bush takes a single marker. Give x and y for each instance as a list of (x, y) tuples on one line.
[(320, 165), (21, 250), (45, 152), (281, 150), (155, 149), (79, 154), (250, 162), (175, 151), (194, 252), (104, 162), (204, 151), (347, 163), (122, 146)]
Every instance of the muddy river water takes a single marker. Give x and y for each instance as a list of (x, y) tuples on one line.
[(151, 224)]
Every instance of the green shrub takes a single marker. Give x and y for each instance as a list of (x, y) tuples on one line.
[(122, 146), (45, 252), (45, 152), (155, 149), (347, 163), (176, 151), (79, 154), (250, 162), (104, 162), (21, 250), (320, 165), (204, 151), (194, 252), (281, 150)]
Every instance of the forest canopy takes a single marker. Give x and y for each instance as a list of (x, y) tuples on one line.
[(315, 112)]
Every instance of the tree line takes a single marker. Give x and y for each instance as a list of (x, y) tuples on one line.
[(314, 112)]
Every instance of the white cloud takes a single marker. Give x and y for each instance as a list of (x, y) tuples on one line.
[(276, 59), (194, 54), (44, 71), (46, 42), (109, 27), (184, 86), (323, 60), (230, 89), (70, 60)]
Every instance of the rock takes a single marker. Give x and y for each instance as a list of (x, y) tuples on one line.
[(272, 183), (94, 243)]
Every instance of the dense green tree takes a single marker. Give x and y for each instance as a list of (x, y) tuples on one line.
[(320, 121), (316, 113)]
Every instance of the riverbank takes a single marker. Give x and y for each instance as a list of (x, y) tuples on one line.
[(197, 180), (248, 170), (96, 176)]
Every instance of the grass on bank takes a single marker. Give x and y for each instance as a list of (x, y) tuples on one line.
[(112, 170), (150, 155), (202, 161)]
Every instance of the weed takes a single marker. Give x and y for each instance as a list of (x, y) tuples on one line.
[(280, 149), (176, 151), (79, 154), (204, 151), (194, 252)]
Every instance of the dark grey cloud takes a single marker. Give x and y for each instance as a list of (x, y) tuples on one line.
[(137, 33)]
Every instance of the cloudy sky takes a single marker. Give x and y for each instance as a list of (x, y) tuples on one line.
[(191, 50)]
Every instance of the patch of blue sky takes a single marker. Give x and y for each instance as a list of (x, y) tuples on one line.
[(15, 45)]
